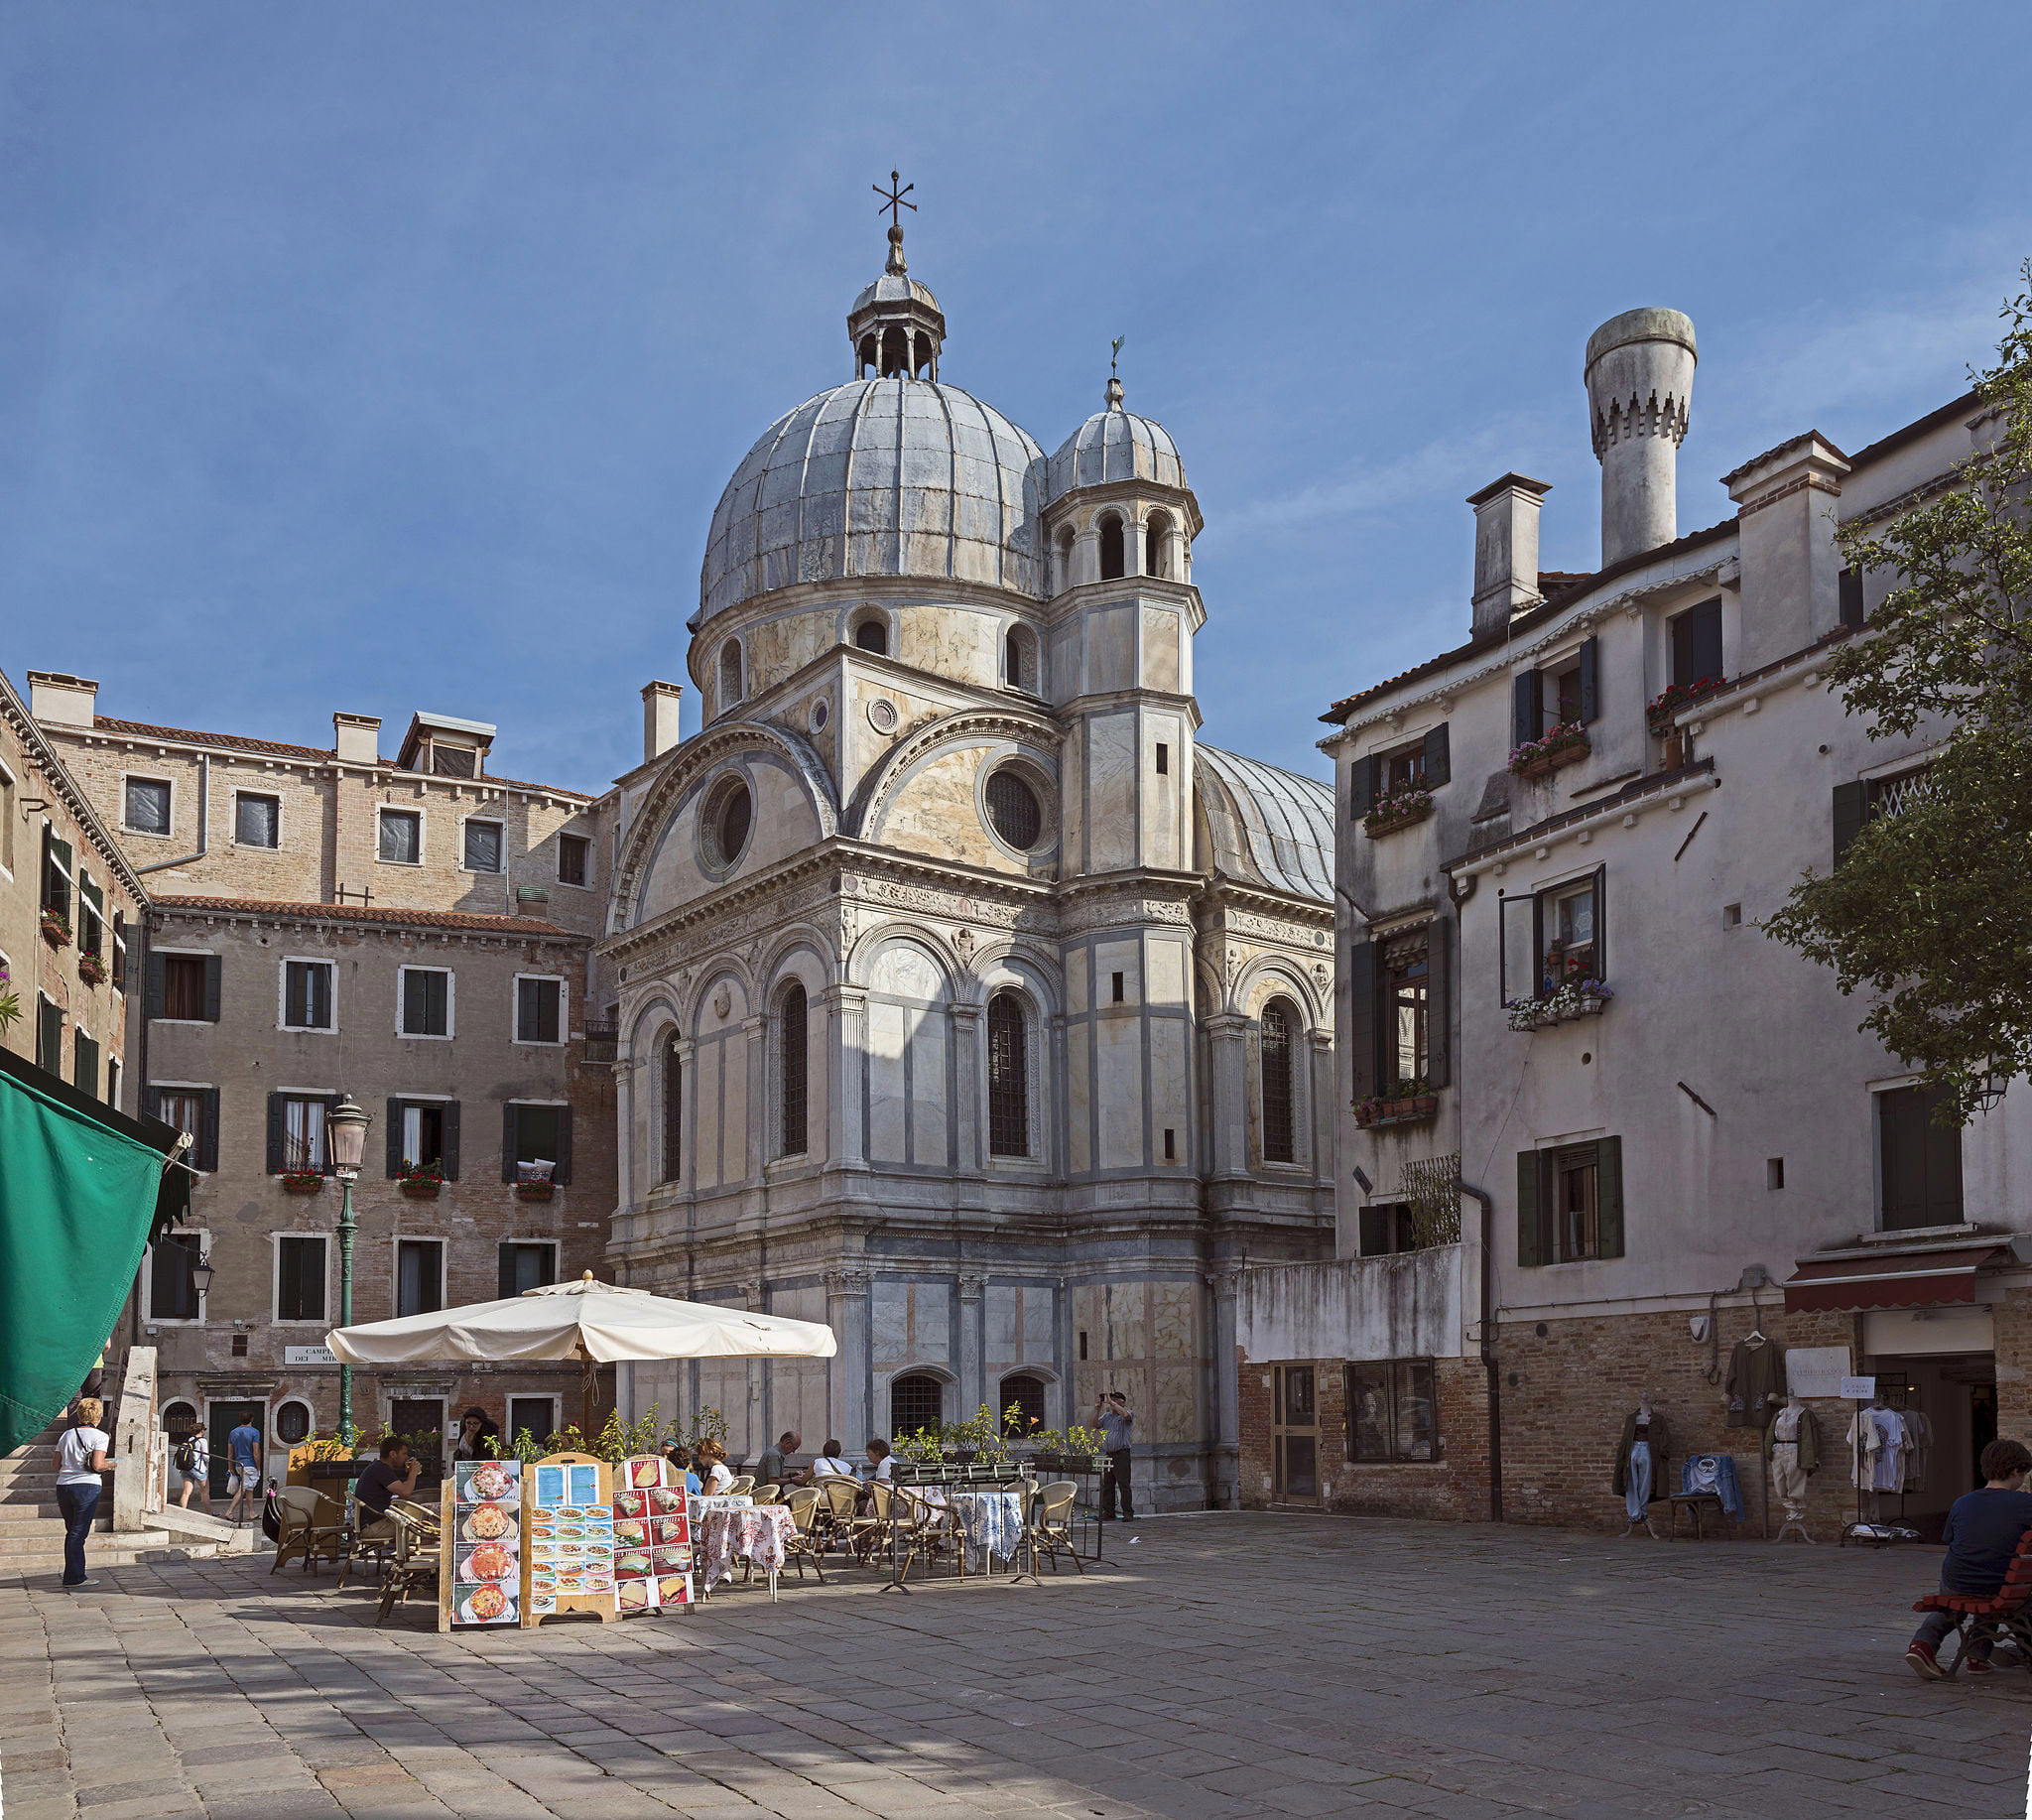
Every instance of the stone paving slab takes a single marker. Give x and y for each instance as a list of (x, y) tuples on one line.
[(1235, 1666)]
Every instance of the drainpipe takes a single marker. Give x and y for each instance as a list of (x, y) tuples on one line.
[(1488, 1354), (204, 820)]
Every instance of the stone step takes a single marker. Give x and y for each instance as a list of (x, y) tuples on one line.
[(141, 1549)]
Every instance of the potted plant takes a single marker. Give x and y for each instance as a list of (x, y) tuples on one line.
[(1568, 990), (9, 1000), (1390, 813), (1661, 708), (301, 1181), (92, 969), (55, 927), (328, 1458), (1083, 1451), (532, 1181), (421, 1181), (1407, 1101), (1564, 745)]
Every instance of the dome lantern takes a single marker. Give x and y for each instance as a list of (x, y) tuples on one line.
[(895, 327)]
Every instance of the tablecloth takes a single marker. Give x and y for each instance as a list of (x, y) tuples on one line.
[(758, 1534), (991, 1525)]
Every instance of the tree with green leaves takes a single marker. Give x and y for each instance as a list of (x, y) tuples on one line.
[(1930, 909)]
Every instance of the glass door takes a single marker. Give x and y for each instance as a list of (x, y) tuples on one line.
[(1296, 1432)]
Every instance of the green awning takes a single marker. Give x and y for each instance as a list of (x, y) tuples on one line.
[(81, 1189)]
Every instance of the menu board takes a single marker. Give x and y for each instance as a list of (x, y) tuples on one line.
[(481, 1520), (569, 1551), (652, 1537)]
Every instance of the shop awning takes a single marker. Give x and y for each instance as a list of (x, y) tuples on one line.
[(81, 1188), (1888, 1279)]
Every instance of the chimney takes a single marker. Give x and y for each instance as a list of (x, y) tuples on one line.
[(1505, 549), (357, 738), (57, 699), (660, 719), (1640, 384)]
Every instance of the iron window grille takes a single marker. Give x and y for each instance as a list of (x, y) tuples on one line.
[(1280, 1122), (1008, 1077)]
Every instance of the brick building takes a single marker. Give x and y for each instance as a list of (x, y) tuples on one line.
[(416, 933), (1600, 1132)]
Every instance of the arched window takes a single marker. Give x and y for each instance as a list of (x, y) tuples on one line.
[(1008, 1077), (671, 1161), (293, 1421), (916, 1400), (1019, 663), (1065, 558), (872, 634), (1280, 1122), (178, 1420), (729, 674), (793, 1066), (1113, 555), (895, 354), (1025, 1389), (865, 356), (1157, 545)]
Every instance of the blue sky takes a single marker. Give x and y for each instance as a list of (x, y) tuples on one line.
[(379, 356)]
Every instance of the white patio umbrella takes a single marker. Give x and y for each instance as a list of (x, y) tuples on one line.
[(593, 1322)]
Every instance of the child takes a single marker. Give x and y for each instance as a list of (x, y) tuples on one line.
[(1981, 1535)]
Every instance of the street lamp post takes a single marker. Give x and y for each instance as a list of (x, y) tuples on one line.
[(346, 1133)]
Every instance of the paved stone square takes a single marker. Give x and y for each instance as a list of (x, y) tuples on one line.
[(1225, 1667)]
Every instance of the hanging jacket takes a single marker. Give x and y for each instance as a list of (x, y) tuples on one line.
[(1660, 1437), (1756, 1373)]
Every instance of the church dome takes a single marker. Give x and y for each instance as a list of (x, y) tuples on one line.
[(1116, 445), (891, 476)]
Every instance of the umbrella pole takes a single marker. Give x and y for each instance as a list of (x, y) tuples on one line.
[(584, 1393)]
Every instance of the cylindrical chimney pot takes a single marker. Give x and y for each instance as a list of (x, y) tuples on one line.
[(1640, 387)]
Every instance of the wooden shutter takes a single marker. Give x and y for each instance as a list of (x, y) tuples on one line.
[(1532, 1237), (1850, 584), (450, 1157), (1901, 1157), (1590, 680), (1852, 809), (1362, 1018), (206, 1154), (157, 989), (1943, 1152), (396, 1159), (1362, 787), (562, 1172), (509, 1134), (1438, 1002), (1608, 1196), (277, 1129), (211, 988), (1439, 758), (1526, 700)]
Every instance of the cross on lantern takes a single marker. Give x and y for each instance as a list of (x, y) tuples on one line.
[(892, 199)]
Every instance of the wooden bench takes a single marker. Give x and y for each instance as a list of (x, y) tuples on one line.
[(2005, 1613)]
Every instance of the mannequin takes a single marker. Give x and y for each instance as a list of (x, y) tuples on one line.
[(1639, 1474), (1793, 1442)]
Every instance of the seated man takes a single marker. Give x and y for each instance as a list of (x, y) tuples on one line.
[(1981, 1535), (392, 1475), (775, 1468)]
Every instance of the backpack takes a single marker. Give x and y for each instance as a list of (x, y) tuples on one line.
[(186, 1457)]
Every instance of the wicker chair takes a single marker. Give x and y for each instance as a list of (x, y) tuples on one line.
[(1048, 1525), (414, 1565), (767, 1495), (741, 1486), (313, 1528), (834, 1518), (922, 1529), (806, 1542)]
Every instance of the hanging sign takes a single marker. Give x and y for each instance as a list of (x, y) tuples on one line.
[(1816, 1370)]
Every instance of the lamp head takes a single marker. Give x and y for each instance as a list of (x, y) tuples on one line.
[(346, 1128)]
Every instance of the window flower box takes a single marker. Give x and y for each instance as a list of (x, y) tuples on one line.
[(1575, 999), (92, 969), (301, 1181), (421, 1181), (1566, 744), (535, 1191), (1391, 813), (56, 928), (1659, 711), (1397, 1110)]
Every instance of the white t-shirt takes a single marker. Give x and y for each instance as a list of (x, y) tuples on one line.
[(879, 1472), (825, 1466), (74, 1449), (717, 1480)]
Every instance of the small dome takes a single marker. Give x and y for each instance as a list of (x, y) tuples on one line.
[(1116, 445), (880, 478), (894, 288)]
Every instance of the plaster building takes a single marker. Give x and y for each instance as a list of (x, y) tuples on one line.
[(1555, 1200), (415, 932), (72, 911), (967, 1001)]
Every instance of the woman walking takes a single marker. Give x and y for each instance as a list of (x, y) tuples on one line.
[(80, 1459)]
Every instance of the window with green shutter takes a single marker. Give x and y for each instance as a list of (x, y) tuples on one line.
[(1570, 1203)]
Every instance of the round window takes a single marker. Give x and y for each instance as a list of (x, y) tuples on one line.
[(728, 820), (1014, 810), (820, 714), (292, 1423), (883, 714)]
